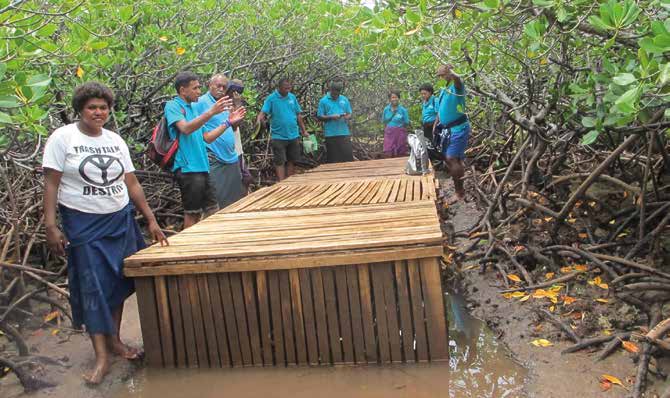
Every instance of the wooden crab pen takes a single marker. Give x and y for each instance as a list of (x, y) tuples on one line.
[(310, 273)]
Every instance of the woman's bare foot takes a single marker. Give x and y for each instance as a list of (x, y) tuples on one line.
[(124, 351), (95, 376)]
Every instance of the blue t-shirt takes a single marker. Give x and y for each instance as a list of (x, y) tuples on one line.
[(224, 146), (191, 157), (429, 110), (283, 112), (452, 104), (329, 106), (398, 119)]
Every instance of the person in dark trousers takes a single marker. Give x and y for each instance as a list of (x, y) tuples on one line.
[(90, 181), (429, 107), (335, 112), (225, 174), (285, 118), (453, 126)]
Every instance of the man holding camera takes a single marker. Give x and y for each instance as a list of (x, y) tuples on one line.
[(335, 111), (453, 127), (224, 174)]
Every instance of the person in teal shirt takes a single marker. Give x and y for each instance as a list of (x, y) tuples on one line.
[(335, 112), (453, 127), (396, 120), (285, 118), (225, 174), (191, 166), (429, 109)]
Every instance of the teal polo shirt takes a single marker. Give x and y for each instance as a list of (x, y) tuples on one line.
[(283, 112), (223, 147), (191, 157), (329, 106), (398, 119), (452, 104), (429, 110)]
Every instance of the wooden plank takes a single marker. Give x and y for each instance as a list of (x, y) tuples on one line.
[(219, 319), (371, 347), (187, 316), (276, 316), (344, 314), (417, 190), (264, 315), (356, 316), (298, 317), (331, 314), (308, 315), (164, 322), (418, 315), (208, 319), (198, 325), (431, 280), (321, 319), (406, 327), (287, 262), (231, 320), (252, 318), (287, 317), (377, 274), (241, 318), (177, 322), (146, 301), (391, 312)]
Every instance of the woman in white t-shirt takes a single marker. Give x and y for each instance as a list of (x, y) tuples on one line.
[(89, 178)]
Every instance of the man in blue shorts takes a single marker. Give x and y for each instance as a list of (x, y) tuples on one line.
[(453, 126), (285, 116)]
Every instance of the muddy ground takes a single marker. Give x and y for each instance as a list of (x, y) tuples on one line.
[(551, 375)]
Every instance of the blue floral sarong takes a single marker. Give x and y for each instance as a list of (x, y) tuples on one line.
[(98, 245)]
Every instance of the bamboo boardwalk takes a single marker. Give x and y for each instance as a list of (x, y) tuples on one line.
[(338, 265)]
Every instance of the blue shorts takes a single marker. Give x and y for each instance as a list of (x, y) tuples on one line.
[(454, 144)]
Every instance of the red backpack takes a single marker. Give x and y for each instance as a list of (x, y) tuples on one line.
[(161, 148)]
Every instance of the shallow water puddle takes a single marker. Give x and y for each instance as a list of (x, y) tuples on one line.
[(479, 367)]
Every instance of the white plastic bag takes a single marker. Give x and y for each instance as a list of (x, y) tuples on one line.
[(418, 163)]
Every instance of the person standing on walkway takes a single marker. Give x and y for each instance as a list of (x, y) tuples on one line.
[(285, 121), (429, 107), (453, 126), (396, 121), (90, 181), (191, 164), (235, 90), (225, 174), (335, 112)]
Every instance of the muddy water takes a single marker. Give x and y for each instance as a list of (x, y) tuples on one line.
[(479, 368)]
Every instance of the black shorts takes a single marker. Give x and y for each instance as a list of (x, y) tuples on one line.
[(285, 151), (338, 149), (428, 131), (196, 192)]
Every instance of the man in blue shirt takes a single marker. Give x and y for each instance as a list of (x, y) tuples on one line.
[(453, 126), (225, 174), (334, 111), (285, 117), (191, 165), (429, 109)]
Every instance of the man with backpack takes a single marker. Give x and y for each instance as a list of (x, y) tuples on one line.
[(191, 165)]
